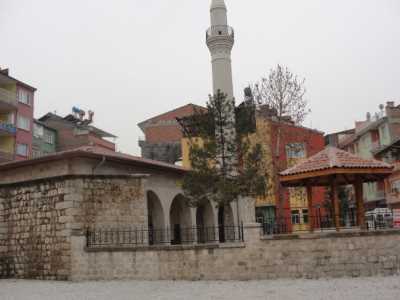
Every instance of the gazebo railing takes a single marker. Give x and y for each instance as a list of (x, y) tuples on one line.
[(293, 224)]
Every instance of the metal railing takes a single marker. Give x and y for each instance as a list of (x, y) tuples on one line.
[(220, 30), (8, 97), (8, 128), (134, 237), (319, 223)]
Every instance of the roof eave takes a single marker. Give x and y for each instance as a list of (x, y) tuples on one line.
[(334, 171), (86, 154)]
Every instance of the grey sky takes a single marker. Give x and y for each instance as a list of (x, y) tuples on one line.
[(129, 60)]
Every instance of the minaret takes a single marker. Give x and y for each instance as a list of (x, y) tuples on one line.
[(220, 39)]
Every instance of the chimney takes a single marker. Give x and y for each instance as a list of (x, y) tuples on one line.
[(91, 114), (368, 117), (390, 104)]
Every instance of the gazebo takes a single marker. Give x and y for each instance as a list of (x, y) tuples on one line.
[(332, 168)]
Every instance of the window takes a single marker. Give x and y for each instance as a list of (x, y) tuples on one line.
[(24, 123), (24, 97), (295, 217), (48, 138), (305, 216), (22, 150), (37, 130), (295, 150)]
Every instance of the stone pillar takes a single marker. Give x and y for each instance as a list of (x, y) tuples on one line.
[(251, 233), (358, 189), (310, 207), (194, 224), (247, 210), (335, 203)]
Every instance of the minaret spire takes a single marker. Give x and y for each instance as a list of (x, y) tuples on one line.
[(220, 39)]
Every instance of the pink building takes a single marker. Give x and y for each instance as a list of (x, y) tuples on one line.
[(16, 118)]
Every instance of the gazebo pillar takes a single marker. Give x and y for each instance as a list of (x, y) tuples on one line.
[(358, 189), (310, 208), (335, 203)]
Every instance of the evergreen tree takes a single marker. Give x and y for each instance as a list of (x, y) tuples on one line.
[(225, 165)]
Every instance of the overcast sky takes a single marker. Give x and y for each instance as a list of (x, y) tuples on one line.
[(129, 60)]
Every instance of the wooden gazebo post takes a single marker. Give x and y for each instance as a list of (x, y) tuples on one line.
[(358, 188), (310, 207), (335, 202)]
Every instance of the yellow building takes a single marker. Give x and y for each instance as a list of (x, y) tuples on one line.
[(8, 109), (279, 154)]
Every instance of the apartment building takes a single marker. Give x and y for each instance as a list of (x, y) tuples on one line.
[(16, 118), (371, 138), (73, 131), (44, 140), (163, 134)]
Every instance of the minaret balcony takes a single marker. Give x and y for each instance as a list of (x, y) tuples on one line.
[(220, 31)]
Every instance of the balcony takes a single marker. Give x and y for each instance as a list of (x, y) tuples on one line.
[(5, 156), (8, 100), (7, 129), (220, 31)]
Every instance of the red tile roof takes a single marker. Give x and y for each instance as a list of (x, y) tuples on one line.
[(331, 158), (97, 152)]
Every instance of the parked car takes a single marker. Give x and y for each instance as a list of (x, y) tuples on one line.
[(379, 218)]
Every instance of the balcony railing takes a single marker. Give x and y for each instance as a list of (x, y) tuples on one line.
[(8, 97), (7, 128), (220, 30), (5, 156)]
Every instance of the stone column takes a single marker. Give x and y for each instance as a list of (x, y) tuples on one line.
[(194, 224), (358, 189), (310, 208)]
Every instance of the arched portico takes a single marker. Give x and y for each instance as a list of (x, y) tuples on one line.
[(156, 220), (205, 223), (180, 217)]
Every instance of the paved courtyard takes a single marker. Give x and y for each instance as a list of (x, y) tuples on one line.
[(348, 288)]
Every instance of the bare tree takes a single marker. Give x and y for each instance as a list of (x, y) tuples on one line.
[(281, 99), (283, 92)]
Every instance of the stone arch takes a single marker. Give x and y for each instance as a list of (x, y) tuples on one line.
[(206, 229), (226, 224), (180, 217), (155, 218)]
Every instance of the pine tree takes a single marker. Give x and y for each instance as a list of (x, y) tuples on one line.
[(226, 165)]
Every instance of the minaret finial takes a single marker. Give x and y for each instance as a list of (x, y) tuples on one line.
[(220, 40)]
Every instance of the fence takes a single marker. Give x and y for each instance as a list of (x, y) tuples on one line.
[(292, 224), (133, 237)]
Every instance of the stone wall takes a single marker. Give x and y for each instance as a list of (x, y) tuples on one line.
[(109, 202), (38, 217), (36, 243), (316, 256)]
